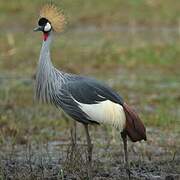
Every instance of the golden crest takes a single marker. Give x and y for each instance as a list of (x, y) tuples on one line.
[(54, 16)]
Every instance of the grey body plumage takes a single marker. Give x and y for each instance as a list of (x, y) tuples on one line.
[(84, 99), (63, 89)]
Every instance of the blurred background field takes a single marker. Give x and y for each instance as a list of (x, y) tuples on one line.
[(133, 45)]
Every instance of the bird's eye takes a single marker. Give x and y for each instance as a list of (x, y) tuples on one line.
[(47, 27)]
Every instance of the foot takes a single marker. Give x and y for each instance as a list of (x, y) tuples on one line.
[(128, 171)]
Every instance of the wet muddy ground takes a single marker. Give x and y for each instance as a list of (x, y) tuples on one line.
[(131, 45), (158, 158)]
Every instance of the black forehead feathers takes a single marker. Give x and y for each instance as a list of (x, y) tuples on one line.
[(42, 22)]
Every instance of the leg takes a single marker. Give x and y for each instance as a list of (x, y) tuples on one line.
[(90, 147), (73, 134), (73, 141), (72, 125), (124, 137)]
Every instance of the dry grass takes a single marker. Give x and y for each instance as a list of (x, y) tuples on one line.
[(157, 158), (131, 45)]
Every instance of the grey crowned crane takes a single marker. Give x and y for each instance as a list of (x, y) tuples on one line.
[(85, 99)]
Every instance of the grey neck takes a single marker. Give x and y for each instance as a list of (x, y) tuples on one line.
[(45, 58), (44, 70), (48, 78)]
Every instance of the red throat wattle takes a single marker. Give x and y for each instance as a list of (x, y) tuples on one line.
[(45, 36)]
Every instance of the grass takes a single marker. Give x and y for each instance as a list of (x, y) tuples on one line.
[(93, 12), (131, 45), (142, 65)]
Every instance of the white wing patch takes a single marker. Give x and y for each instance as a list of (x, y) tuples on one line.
[(106, 112)]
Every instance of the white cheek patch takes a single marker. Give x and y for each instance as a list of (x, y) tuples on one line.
[(47, 27)]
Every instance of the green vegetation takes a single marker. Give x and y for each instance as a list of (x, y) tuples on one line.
[(132, 45)]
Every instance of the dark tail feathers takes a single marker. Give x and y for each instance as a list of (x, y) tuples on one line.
[(134, 127)]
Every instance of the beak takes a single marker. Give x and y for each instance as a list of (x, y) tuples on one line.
[(39, 28)]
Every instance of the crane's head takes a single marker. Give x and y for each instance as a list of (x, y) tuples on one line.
[(51, 19)]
